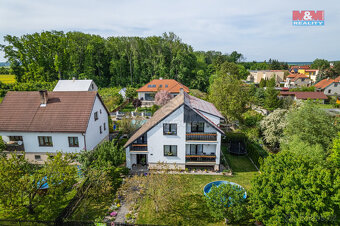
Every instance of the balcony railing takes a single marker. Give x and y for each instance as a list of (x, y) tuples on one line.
[(139, 147), (200, 158), (201, 136), (14, 146)]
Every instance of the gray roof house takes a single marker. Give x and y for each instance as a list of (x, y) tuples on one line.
[(75, 85)]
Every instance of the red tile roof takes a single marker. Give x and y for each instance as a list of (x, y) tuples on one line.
[(326, 82), (64, 112), (300, 67), (305, 95), (298, 76), (170, 85)]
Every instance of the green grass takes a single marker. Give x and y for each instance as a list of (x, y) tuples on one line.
[(192, 209), (128, 108), (7, 79), (325, 106), (91, 209)]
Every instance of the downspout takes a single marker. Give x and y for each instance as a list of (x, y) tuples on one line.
[(84, 141)]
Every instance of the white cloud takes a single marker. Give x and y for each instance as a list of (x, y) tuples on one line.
[(258, 29)]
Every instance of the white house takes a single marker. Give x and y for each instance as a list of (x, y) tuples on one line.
[(40, 123), (75, 85), (123, 92), (297, 80), (185, 132), (330, 87)]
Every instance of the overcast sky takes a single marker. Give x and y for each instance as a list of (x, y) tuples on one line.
[(259, 29)]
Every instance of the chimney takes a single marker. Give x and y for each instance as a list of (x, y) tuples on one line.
[(74, 79), (181, 91), (43, 98), (160, 78)]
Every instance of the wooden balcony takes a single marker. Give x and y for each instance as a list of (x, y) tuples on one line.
[(139, 147), (201, 136), (200, 158)]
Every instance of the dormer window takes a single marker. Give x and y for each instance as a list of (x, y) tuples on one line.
[(166, 86)]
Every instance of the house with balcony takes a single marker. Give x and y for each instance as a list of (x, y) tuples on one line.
[(183, 133), (147, 93), (40, 123), (297, 80), (330, 87)]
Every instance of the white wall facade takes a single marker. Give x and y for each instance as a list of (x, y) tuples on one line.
[(332, 89), (93, 135), (156, 141), (87, 141), (60, 141)]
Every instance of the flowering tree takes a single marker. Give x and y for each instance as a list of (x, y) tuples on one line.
[(272, 127), (162, 97)]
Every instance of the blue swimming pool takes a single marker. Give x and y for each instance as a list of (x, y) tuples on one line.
[(208, 187)]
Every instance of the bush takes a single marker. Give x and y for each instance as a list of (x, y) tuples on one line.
[(227, 201), (295, 191), (251, 118)]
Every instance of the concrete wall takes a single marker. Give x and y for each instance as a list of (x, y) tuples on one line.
[(93, 136)]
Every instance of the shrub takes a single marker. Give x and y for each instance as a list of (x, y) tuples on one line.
[(226, 201)]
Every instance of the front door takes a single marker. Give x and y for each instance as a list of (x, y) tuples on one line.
[(141, 159)]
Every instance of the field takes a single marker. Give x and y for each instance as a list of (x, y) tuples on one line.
[(7, 79)]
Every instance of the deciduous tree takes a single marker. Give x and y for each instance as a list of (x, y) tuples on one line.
[(294, 190), (227, 202), (162, 97)]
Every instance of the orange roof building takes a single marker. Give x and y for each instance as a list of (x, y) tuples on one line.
[(170, 85), (147, 92)]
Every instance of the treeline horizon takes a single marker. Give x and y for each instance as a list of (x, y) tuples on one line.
[(118, 61)]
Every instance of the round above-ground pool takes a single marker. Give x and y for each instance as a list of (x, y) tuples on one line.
[(208, 187)]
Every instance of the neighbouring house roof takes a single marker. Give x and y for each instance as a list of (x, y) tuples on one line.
[(64, 112), (326, 82), (170, 85), (193, 103), (300, 66), (305, 95), (311, 70), (299, 76), (73, 85)]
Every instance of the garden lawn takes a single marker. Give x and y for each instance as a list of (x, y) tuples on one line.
[(192, 210), (91, 209)]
